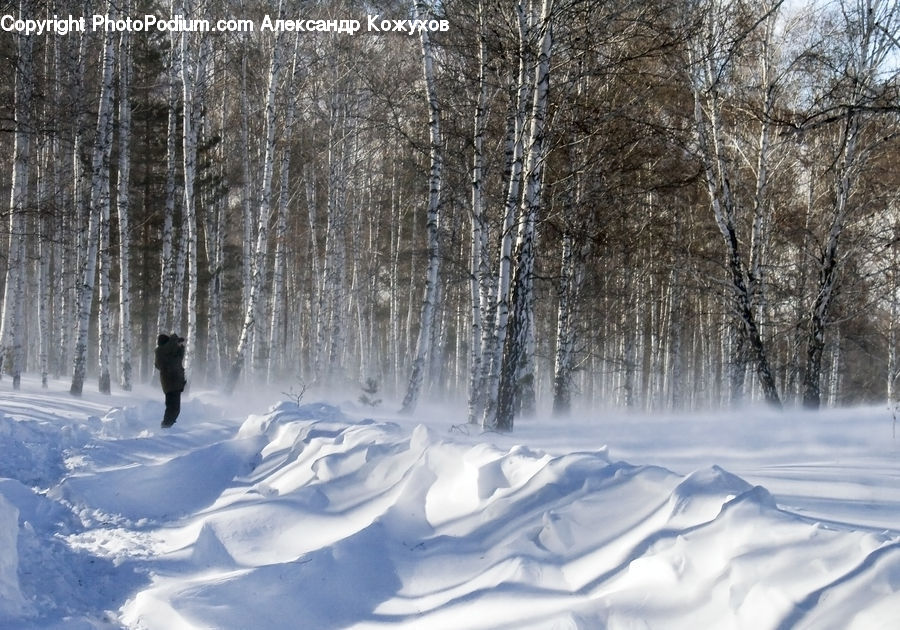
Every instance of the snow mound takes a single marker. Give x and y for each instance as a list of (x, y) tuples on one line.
[(370, 525), (306, 516)]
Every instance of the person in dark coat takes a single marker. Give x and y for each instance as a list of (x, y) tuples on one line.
[(170, 363)]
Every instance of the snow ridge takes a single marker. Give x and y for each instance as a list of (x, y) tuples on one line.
[(306, 517)]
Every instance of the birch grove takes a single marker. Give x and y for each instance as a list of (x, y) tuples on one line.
[(531, 208)]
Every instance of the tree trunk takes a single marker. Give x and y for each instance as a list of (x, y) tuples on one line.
[(193, 76), (247, 221), (429, 304), (478, 269), (12, 327), (104, 298), (262, 239), (99, 206), (123, 208), (332, 331), (515, 133), (516, 390), (871, 29), (718, 186), (214, 233), (276, 343), (562, 369), (164, 321), (828, 268), (45, 238)]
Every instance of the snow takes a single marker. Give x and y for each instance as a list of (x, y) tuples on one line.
[(262, 513)]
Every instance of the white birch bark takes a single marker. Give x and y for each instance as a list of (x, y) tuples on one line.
[(12, 326), (214, 234), (43, 227), (104, 297), (571, 279), (330, 333), (123, 207), (676, 395), (99, 204), (75, 222), (164, 320), (562, 368), (276, 323), (628, 331), (516, 391), (359, 286), (478, 269), (893, 360), (494, 341), (871, 27), (247, 221), (395, 318), (341, 131), (251, 312), (55, 247), (429, 304), (374, 368), (194, 58), (45, 254), (317, 296), (704, 58), (834, 374)]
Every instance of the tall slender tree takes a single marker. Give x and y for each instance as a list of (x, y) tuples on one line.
[(870, 28), (98, 208), (12, 332), (708, 65), (516, 388), (123, 208), (252, 309), (432, 222)]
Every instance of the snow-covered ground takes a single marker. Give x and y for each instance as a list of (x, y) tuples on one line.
[(266, 514)]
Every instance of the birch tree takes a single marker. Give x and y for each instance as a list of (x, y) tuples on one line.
[(708, 65), (98, 208), (12, 333), (123, 207), (279, 268), (214, 233), (44, 279), (573, 254), (165, 321), (870, 28), (104, 306), (893, 310), (194, 59), (251, 311), (247, 218), (479, 269), (76, 221), (495, 337), (435, 178), (516, 388), (332, 307)]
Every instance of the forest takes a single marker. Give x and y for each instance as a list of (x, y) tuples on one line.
[(534, 206)]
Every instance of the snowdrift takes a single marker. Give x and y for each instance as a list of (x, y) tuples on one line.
[(307, 517)]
